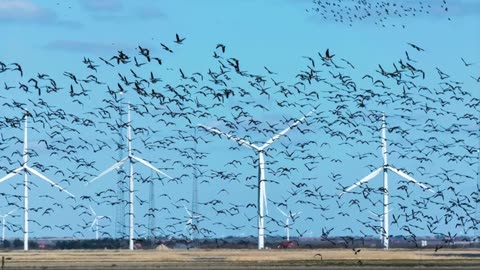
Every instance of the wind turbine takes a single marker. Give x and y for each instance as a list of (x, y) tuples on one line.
[(288, 216), (27, 169), (95, 221), (190, 224), (385, 169), (4, 217), (380, 219), (131, 158), (262, 196)]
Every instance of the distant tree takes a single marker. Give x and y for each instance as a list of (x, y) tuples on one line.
[(32, 244), (6, 244), (17, 243)]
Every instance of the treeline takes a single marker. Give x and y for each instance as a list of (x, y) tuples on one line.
[(18, 244), (243, 243), (105, 243)]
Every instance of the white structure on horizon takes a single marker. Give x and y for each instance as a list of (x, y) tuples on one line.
[(96, 219), (262, 196), (287, 223), (385, 168), (131, 158), (4, 220), (26, 170)]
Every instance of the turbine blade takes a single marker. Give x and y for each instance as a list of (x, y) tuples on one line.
[(113, 167), (12, 174), (39, 175), (146, 163), (276, 137), (230, 137), (9, 213), (93, 211), (295, 214), (283, 213), (365, 179), (408, 177), (188, 212)]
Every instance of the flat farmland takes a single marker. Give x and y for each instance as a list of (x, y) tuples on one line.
[(243, 259)]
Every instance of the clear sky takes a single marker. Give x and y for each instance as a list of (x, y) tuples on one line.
[(54, 37)]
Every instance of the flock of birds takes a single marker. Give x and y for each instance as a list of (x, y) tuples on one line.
[(381, 13), (79, 120)]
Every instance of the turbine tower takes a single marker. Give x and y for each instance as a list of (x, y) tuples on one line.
[(385, 169), (4, 219), (131, 158), (26, 170), (120, 217), (477, 208), (195, 195), (151, 210), (262, 196)]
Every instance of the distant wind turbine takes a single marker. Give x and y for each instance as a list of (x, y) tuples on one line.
[(131, 158), (191, 225), (385, 169), (27, 169), (4, 220), (379, 217), (95, 221), (262, 196), (287, 224)]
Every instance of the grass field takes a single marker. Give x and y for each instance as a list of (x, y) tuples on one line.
[(243, 259)]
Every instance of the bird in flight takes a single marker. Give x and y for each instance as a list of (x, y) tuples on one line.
[(166, 48), (328, 56), (178, 40), (465, 63), (221, 46), (416, 47)]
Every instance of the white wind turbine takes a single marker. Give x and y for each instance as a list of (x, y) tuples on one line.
[(4, 220), (27, 169), (131, 158), (380, 219), (385, 168), (287, 224), (95, 221), (262, 196), (190, 225)]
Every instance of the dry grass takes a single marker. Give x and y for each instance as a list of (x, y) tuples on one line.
[(153, 258)]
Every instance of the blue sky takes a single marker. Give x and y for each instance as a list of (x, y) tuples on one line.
[(53, 37)]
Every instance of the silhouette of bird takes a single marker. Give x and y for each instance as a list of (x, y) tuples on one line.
[(178, 40)]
